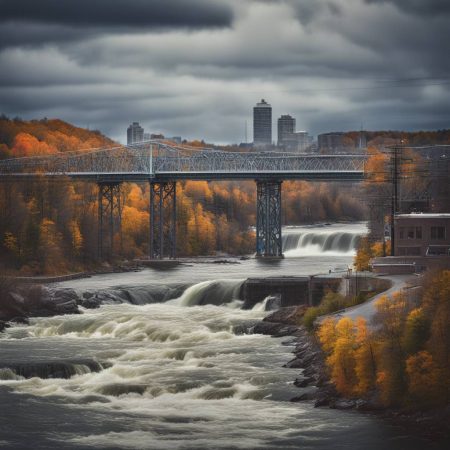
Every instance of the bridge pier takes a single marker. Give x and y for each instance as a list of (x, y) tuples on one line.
[(268, 219), (163, 216), (110, 205)]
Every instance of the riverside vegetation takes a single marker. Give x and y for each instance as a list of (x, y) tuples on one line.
[(403, 360)]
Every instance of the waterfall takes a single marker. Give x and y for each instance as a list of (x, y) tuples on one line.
[(302, 242), (215, 292)]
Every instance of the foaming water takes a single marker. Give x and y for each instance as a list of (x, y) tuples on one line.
[(172, 377), (331, 240), (178, 368)]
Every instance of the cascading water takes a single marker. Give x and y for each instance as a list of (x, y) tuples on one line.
[(215, 292), (303, 242), (162, 362)]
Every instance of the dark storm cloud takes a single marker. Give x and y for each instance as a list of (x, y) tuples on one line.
[(113, 13), (37, 34), (428, 7), (329, 63)]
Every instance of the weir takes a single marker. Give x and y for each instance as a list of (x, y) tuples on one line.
[(291, 291), (328, 240)]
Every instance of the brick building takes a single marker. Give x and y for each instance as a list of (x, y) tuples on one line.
[(422, 241), (422, 234)]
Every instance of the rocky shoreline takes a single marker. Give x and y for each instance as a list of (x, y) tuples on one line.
[(309, 357), (21, 302)]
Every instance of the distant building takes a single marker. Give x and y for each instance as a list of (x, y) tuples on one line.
[(298, 141), (422, 241), (156, 136), (262, 124), (331, 142), (302, 141), (147, 136), (135, 133), (286, 130), (176, 139)]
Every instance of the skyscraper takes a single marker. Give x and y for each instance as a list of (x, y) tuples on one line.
[(135, 133), (286, 130), (262, 124)]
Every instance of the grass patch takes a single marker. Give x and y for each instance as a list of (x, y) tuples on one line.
[(332, 302)]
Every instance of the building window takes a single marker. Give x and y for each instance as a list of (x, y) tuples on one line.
[(410, 233), (408, 251), (437, 250), (437, 233)]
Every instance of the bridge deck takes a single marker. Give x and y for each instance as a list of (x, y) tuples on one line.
[(199, 176)]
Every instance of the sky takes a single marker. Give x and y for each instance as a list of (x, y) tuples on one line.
[(196, 68)]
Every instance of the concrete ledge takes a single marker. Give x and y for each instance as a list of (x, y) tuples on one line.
[(54, 279), (160, 264), (292, 291), (269, 258)]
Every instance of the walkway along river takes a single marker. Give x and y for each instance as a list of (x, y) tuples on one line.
[(154, 368)]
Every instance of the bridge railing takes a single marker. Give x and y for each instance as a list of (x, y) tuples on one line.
[(151, 158), (116, 160), (257, 162)]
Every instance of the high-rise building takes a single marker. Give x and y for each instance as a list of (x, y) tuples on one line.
[(286, 129), (262, 124), (135, 133)]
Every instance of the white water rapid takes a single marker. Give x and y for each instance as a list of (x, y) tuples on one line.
[(331, 240)]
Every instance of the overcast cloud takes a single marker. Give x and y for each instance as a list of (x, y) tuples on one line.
[(195, 68)]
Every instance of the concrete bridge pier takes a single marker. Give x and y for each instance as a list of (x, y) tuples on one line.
[(268, 219), (110, 206), (163, 216)]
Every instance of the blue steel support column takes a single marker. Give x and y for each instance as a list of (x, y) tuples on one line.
[(268, 219)]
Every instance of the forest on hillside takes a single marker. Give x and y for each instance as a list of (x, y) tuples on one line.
[(382, 139), (48, 228)]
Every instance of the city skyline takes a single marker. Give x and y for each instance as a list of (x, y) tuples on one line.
[(195, 69)]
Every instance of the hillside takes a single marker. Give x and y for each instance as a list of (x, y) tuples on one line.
[(47, 136)]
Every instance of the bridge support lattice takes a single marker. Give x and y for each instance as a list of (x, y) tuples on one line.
[(163, 216), (268, 219), (110, 205)]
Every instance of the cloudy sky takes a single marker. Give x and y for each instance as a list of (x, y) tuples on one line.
[(195, 68)]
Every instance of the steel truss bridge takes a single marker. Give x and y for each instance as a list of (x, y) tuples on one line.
[(162, 165)]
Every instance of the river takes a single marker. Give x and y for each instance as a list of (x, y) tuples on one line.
[(160, 366)]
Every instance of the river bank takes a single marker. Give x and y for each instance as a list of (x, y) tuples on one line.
[(310, 359)]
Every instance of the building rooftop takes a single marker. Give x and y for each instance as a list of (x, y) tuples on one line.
[(263, 103)]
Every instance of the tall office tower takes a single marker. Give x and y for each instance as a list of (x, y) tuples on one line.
[(262, 124), (135, 133), (286, 130)]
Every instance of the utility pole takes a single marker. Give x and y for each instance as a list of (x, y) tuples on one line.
[(394, 197)]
